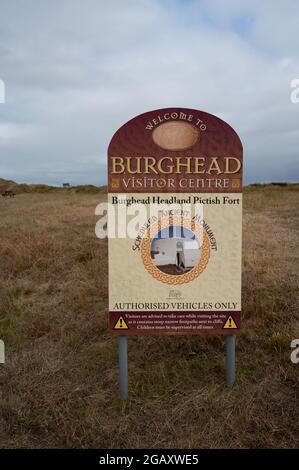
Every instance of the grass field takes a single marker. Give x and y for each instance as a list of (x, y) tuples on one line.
[(59, 386)]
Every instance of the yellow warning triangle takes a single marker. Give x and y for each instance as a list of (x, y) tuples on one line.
[(120, 324), (230, 323)]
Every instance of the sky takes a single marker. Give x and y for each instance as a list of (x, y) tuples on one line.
[(76, 70)]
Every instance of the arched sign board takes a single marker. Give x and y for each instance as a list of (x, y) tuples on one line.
[(180, 273)]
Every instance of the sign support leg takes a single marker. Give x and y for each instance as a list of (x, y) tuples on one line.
[(123, 366), (230, 360)]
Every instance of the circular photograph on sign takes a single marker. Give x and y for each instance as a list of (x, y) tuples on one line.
[(175, 135), (177, 253)]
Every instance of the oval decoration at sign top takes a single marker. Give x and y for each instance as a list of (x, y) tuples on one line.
[(175, 135)]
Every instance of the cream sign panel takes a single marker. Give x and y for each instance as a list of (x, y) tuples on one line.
[(177, 175)]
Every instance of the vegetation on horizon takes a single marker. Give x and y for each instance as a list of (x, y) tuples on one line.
[(18, 188)]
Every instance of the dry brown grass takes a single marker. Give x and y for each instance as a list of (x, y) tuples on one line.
[(59, 386)]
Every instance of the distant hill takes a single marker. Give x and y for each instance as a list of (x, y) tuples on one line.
[(18, 188)]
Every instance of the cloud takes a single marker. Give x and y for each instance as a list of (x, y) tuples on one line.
[(75, 71)]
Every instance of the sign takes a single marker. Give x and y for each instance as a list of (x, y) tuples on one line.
[(175, 225)]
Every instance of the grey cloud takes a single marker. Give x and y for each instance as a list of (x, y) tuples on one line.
[(75, 71)]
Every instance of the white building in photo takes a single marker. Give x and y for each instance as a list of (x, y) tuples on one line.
[(183, 253), (188, 252)]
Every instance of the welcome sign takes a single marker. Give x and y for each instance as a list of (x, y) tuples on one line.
[(175, 225)]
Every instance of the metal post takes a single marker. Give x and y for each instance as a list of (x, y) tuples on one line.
[(123, 366), (230, 360)]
